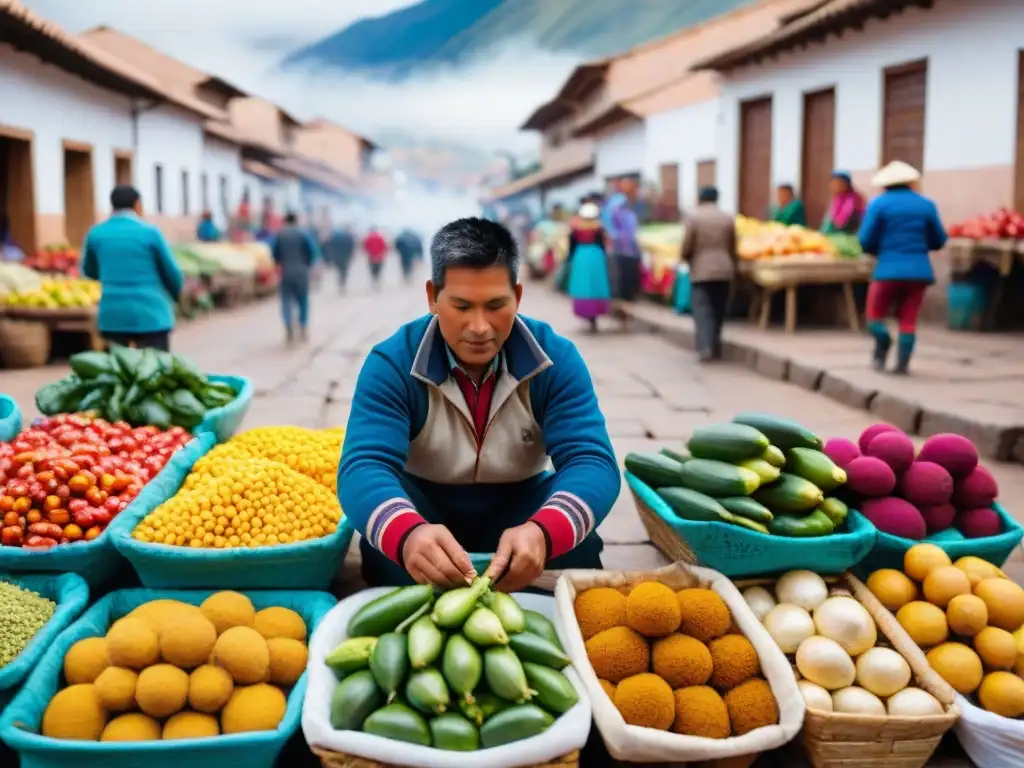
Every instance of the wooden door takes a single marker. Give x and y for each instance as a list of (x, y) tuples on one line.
[(818, 161), (123, 168), (707, 174), (79, 196), (755, 157), (1019, 195), (669, 202), (17, 191), (903, 115)]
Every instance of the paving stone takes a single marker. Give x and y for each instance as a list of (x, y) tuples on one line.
[(804, 375), (625, 427), (623, 526), (674, 426), (993, 441), (896, 410), (632, 557), (839, 387), (771, 365)]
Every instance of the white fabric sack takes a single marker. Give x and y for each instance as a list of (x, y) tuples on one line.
[(988, 739), (568, 733), (648, 745)]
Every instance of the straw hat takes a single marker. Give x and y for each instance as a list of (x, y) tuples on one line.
[(589, 211), (896, 173)]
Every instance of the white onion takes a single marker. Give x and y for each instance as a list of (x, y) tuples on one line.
[(882, 671), (913, 702), (857, 701), (847, 622), (804, 588), (825, 663), (815, 696), (760, 601), (789, 625)]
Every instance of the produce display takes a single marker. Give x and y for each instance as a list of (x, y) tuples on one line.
[(841, 659), (761, 472), (172, 670), (22, 614), (845, 245), (65, 478), (141, 387), (1002, 224), (56, 257), (311, 452), (466, 671), (940, 492), (770, 239), (968, 617), (674, 661), (16, 278), (61, 293)]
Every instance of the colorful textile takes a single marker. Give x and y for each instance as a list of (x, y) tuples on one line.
[(589, 282), (844, 214), (791, 213)]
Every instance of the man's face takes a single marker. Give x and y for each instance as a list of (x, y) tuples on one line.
[(475, 311), (783, 195)]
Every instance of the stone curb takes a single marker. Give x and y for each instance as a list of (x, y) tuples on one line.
[(994, 441)]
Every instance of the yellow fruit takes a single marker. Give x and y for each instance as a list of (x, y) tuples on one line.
[(996, 647), (892, 588), (258, 707), (967, 615), (243, 652), (116, 689), (209, 688), (75, 713), (191, 725), (978, 569), (652, 609), (920, 559), (924, 622), (85, 660), (188, 642), (958, 665), (228, 609), (944, 583), (131, 727), (132, 643), (287, 660), (312, 452), (1003, 694), (160, 612), (162, 690), (280, 622), (1005, 602)]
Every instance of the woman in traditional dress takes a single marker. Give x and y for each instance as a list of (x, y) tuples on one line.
[(847, 207), (625, 248), (589, 285)]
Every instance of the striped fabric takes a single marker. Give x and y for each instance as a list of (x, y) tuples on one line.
[(566, 520), (390, 524)]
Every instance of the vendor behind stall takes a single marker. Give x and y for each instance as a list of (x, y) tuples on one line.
[(846, 209), (456, 422), (789, 208)]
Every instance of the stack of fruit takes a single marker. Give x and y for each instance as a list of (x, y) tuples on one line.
[(1002, 224), (761, 472), (24, 613), (470, 670), (311, 452), (64, 479), (766, 240), (674, 661), (18, 278), (837, 649), (56, 257), (173, 670), (968, 616), (941, 492), (71, 293)]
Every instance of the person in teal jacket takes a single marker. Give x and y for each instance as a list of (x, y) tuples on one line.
[(140, 278), (207, 231)]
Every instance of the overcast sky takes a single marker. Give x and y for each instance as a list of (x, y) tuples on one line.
[(241, 40)]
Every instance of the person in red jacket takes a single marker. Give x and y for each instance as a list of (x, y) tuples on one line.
[(376, 248)]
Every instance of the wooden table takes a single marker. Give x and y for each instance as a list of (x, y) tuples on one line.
[(70, 320)]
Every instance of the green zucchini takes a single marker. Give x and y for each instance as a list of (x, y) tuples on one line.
[(351, 656), (774, 456), (399, 723), (389, 662), (655, 469), (455, 733), (515, 724), (782, 432), (790, 494), (554, 692), (672, 453), (540, 625), (384, 614), (802, 526), (815, 466), (353, 700), (744, 506), (727, 442), (539, 650), (693, 505), (750, 525), (428, 692), (835, 510), (716, 478), (768, 473), (504, 674)]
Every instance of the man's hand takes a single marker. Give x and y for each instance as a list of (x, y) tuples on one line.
[(521, 555), (431, 555)]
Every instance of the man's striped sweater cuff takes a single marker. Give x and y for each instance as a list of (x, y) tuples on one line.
[(566, 520), (389, 526)]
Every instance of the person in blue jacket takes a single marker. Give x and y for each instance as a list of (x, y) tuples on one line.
[(457, 421), (206, 231), (295, 253), (900, 228), (140, 278)]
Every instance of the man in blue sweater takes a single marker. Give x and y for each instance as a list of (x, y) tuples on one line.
[(457, 423)]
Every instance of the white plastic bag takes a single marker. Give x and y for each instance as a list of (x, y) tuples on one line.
[(648, 745), (569, 732), (989, 740)]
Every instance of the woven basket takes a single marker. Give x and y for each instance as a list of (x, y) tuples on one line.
[(838, 740), (24, 344), (668, 542), (339, 760)]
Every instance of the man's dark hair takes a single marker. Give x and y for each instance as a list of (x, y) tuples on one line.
[(124, 197), (708, 195), (789, 188), (291, 218), (472, 243)]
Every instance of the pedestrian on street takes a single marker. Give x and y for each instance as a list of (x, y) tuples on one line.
[(410, 249), (900, 228), (789, 208), (846, 209), (338, 250), (625, 249), (709, 247), (140, 278), (295, 253), (206, 231), (376, 248), (455, 422), (589, 283)]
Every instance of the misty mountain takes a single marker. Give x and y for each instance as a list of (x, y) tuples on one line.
[(436, 33)]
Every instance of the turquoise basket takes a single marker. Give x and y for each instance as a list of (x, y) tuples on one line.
[(889, 550), (10, 419), (20, 722), (741, 552), (223, 422), (71, 594), (302, 565), (98, 561)]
